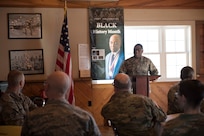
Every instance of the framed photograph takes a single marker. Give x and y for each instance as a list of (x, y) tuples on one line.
[(27, 61), (24, 25)]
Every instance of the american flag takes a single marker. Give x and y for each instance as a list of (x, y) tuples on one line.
[(64, 62)]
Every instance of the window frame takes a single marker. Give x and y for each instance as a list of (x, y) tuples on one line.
[(162, 46)]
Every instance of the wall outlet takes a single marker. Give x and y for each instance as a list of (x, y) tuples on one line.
[(89, 103)]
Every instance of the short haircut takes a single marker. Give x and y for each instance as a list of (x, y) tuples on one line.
[(14, 77), (122, 84), (59, 82), (139, 45), (187, 73), (193, 90)]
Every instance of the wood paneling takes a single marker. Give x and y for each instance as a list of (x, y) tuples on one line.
[(97, 95), (33, 88), (200, 50), (92, 97), (158, 92), (83, 94), (101, 95), (142, 4)]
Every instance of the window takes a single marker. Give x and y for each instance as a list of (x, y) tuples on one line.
[(168, 47)]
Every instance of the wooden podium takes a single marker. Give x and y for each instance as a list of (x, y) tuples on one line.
[(141, 84)]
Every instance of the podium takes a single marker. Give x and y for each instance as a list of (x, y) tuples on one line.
[(140, 84)]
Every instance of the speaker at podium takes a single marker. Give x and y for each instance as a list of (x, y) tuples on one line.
[(140, 83)]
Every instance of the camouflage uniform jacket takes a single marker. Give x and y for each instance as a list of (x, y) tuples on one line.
[(132, 115), (58, 118), (15, 107), (142, 67), (185, 125), (173, 105)]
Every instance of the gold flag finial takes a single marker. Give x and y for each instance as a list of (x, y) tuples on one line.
[(65, 7)]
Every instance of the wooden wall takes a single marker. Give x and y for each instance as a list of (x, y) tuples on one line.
[(92, 97)]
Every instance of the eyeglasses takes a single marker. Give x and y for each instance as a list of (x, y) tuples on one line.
[(116, 85), (139, 49), (120, 85)]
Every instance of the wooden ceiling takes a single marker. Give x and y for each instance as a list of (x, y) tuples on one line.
[(135, 4)]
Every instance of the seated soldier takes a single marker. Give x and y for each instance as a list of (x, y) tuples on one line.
[(187, 73), (14, 104), (131, 114), (58, 117), (191, 122)]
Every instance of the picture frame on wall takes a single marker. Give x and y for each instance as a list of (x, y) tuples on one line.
[(27, 61), (24, 25)]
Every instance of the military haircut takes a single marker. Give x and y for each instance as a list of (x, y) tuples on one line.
[(187, 72), (120, 83), (59, 82), (193, 90), (140, 45), (14, 77)]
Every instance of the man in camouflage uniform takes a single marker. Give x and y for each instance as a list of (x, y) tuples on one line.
[(187, 73), (191, 122), (58, 117), (138, 65), (132, 114), (14, 104)]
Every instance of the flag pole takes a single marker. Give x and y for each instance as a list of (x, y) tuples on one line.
[(65, 7), (64, 62)]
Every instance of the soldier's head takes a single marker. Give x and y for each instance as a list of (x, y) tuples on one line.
[(16, 79), (191, 93), (57, 85), (138, 50), (187, 72), (122, 82)]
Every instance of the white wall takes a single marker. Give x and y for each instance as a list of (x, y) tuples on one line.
[(52, 19), (79, 32)]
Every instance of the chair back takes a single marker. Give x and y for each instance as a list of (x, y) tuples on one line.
[(39, 101)]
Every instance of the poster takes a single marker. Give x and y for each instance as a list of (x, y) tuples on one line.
[(106, 27), (84, 60)]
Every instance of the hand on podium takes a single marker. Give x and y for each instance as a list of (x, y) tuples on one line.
[(154, 77)]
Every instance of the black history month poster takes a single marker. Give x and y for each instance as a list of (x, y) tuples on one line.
[(106, 27)]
